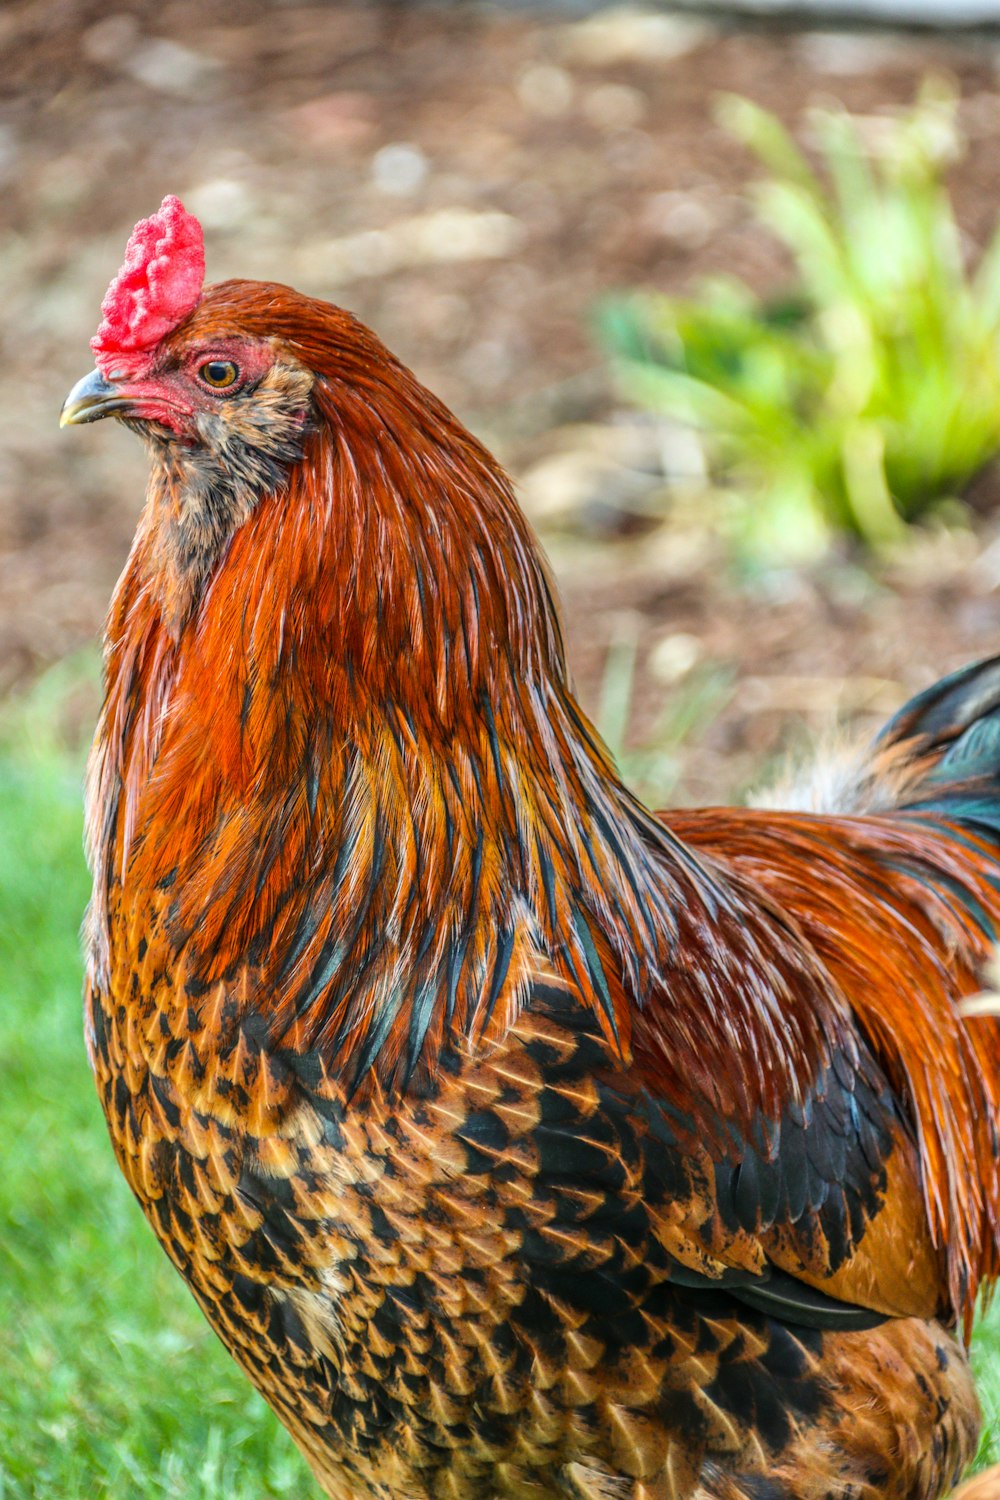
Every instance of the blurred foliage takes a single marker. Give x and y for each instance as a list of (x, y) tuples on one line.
[(652, 765), (869, 395)]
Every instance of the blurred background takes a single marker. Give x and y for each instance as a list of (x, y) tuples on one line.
[(720, 285), (553, 215)]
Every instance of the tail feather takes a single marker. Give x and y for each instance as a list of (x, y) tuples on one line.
[(942, 750), (940, 754), (920, 813), (950, 705)]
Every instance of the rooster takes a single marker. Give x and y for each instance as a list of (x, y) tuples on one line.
[(516, 1142)]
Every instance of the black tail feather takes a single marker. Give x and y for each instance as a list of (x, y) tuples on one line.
[(951, 733)]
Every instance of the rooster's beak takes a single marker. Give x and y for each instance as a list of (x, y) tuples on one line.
[(90, 399)]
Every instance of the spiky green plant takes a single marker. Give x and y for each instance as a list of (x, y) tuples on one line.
[(868, 395)]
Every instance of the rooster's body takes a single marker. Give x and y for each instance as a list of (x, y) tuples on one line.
[(517, 1144)]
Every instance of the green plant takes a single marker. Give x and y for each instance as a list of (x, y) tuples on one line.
[(653, 766), (867, 396)]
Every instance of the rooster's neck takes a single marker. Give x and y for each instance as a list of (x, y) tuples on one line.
[(358, 780)]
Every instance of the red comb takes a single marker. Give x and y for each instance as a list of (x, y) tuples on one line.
[(159, 283)]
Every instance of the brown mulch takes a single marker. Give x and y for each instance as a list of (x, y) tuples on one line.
[(471, 182)]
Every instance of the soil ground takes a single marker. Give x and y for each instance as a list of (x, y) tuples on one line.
[(471, 181)]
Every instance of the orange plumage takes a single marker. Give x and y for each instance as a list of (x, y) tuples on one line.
[(516, 1142)]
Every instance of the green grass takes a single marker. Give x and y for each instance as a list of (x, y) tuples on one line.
[(986, 1363), (111, 1384)]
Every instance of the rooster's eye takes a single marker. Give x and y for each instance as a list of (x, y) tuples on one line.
[(219, 373)]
